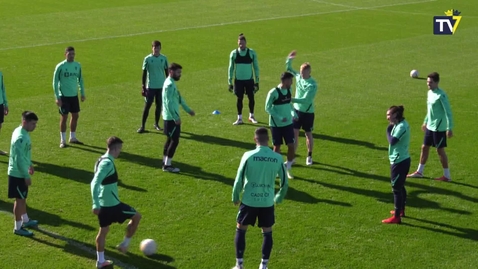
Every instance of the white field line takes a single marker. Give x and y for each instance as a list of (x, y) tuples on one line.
[(349, 9), (77, 245)]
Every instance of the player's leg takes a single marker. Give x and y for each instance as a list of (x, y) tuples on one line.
[(441, 144), (276, 139), (173, 135), (1, 122), (75, 114), (308, 126), (18, 190), (249, 85), (148, 102), (105, 219), (63, 110), (288, 135), (246, 216), (266, 221), (157, 112), (297, 126), (128, 212), (239, 92), (398, 174), (428, 141)]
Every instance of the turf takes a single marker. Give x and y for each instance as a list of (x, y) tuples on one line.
[(361, 53)]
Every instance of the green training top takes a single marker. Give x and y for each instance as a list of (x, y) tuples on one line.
[(256, 176), (304, 89), (399, 152), (439, 117), (20, 158), (171, 101), (242, 64), (279, 106), (104, 186), (156, 66), (3, 94), (66, 79)]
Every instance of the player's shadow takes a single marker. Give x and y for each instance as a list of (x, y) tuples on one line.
[(88, 251), (46, 218), (465, 233), (303, 197), (348, 141), (215, 140), (75, 174)]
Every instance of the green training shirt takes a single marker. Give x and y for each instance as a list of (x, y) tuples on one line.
[(104, 186), (20, 158), (399, 152), (439, 117), (304, 89), (277, 112), (3, 94), (171, 101), (256, 178), (66, 79), (156, 66), (243, 70)]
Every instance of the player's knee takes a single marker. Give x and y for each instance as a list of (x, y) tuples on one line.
[(241, 227), (137, 217), (425, 147), (441, 151), (75, 116), (266, 229), (103, 231)]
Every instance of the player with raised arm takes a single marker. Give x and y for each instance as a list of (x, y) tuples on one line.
[(66, 79), (155, 71), (255, 179), (398, 136), (306, 88), (20, 170), (438, 125), (172, 121), (106, 203), (243, 77), (3, 105)]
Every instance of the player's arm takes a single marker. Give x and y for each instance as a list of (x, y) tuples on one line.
[(4, 93), (183, 104), (271, 97), (308, 97), (104, 167), (81, 82), (145, 72), (230, 75), (56, 81), (446, 106), (288, 66), (255, 66), (395, 134), (283, 184), (239, 181), (169, 103), (166, 66), (23, 163), (293, 112)]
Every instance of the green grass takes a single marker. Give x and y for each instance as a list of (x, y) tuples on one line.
[(331, 218)]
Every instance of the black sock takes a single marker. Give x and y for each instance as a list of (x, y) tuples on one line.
[(404, 198), (240, 242), (147, 106), (239, 106), (157, 114), (309, 154), (252, 103), (266, 245), (172, 148), (398, 201)]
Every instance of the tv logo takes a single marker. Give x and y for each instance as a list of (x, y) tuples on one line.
[(446, 25)]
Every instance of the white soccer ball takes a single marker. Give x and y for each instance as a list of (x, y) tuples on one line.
[(148, 247), (414, 74)]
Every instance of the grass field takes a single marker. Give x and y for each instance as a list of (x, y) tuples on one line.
[(361, 53)]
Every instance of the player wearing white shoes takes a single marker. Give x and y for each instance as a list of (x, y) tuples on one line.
[(106, 203), (306, 88), (244, 70)]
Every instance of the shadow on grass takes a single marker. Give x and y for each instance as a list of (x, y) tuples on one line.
[(465, 233), (89, 251), (215, 140), (303, 197), (347, 141), (46, 218)]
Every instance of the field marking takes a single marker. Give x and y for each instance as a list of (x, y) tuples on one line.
[(77, 244), (215, 25)]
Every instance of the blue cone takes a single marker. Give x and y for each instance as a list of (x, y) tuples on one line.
[(216, 112)]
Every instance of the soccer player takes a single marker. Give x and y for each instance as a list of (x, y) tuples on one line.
[(281, 117), (398, 135), (106, 203), (306, 88), (256, 180), (3, 105), (155, 70), (438, 125), (244, 69), (20, 170), (66, 79), (172, 122)]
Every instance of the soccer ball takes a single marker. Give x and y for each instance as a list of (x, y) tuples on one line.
[(148, 247), (414, 74)]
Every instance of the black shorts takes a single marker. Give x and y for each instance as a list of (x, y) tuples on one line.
[(243, 86), (171, 129), (399, 172), (118, 213), (435, 139), (2, 113), (17, 188), (247, 215), (153, 95), (305, 121), (283, 134), (69, 104)]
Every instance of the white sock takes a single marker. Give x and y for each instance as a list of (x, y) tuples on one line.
[(164, 159), (239, 117), (446, 172), (239, 261), (251, 115), (25, 218), (63, 136), (264, 261), (420, 169), (168, 161), (18, 225), (126, 241), (101, 256), (289, 165), (72, 135)]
